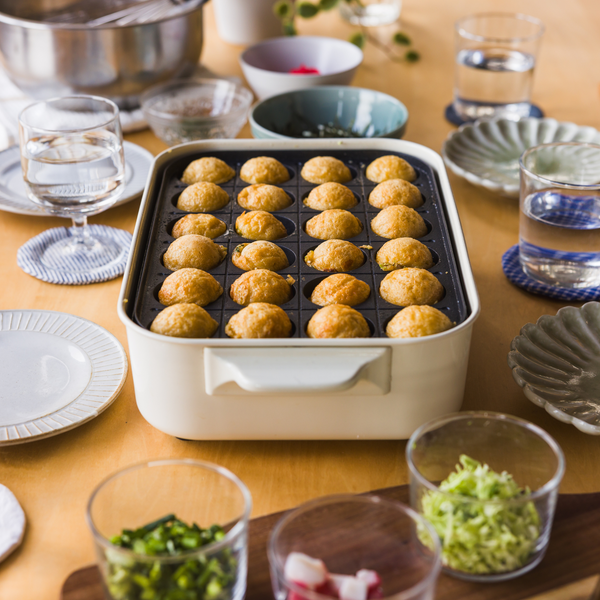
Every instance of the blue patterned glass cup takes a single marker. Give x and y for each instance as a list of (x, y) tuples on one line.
[(559, 228)]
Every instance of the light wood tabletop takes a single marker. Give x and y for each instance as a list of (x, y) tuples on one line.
[(53, 478)]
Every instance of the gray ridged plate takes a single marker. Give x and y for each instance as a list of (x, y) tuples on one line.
[(486, 153), (557, 363)]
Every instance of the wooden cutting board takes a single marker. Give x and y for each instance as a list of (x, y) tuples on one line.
[(572, 560)]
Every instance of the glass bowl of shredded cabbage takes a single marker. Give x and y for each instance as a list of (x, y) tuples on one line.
[(488, 484)]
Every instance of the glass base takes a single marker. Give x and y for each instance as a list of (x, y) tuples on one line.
[(372, 13), (75, 254)]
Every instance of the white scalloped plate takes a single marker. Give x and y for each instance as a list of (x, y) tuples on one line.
[(557, 363), (486, 153), (57, 370)]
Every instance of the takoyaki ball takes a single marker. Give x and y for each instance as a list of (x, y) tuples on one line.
[(337, 321), (404, 252), (260, 285), (399, 221), (325, 169), (189, 286), (395, 191), (405, 287), (262, 196), (199, 224), (390, 167), (259, 320), (334, 224), (259, 255), (184, 320), (195, 251), (259, 225), (264, 169), (330, 195), (417, 321), (208, 169), (202, 197), (336, 256), (340, 289)]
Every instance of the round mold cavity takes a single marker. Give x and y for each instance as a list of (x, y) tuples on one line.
[(369, 323), (391, 305), (434, 255), (365, 259), (292, 198), (162, 262), (225, 323), (337, 238), (292, 286), (291, 174), (353, 173), (169, 226), (290, 254), (309, 288)]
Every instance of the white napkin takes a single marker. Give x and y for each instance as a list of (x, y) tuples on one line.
[(13, 101)]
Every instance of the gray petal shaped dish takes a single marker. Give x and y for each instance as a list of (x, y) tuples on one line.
[(557, 363), (486, 153)]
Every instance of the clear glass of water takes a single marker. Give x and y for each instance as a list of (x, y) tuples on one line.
[(495, 60), (559, 229), (371, 13), (73, 166)]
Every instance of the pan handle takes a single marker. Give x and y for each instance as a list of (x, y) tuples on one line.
[(295, 370)]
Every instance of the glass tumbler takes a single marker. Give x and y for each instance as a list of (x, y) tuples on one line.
[(371, 13), (494, 64), (73, 166), (350, 533), (194, 492), (559, 227), (484, 538)]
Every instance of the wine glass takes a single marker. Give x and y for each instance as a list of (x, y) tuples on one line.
[(73, 166)]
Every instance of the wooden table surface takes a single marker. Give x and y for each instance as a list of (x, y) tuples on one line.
[(53, 478)]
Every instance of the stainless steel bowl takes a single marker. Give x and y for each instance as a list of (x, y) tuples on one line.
[(46, 58)]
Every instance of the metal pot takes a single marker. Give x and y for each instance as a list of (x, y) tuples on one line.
[(47, 58)]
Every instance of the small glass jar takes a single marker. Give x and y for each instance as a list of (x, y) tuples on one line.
[(194, 492), (491, 539), (349, 533)]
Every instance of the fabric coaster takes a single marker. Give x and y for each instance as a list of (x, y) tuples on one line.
[(12, 522), (30, 257), (453, 117), (515, 274)]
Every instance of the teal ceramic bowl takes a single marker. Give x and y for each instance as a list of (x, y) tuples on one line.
[(329, 111)]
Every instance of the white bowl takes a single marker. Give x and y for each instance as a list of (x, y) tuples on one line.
[(267, 65), (486, 153)]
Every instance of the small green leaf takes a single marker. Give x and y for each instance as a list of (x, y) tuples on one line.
[(282, 9), (289, 28), (358, 39), (412, 56), (327, 4), (307, 10), (401, 38)]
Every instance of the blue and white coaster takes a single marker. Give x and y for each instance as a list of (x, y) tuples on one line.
[(515, 274), (34, 257), (453, 117)]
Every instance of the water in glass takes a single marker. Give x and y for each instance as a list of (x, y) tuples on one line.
[(490, 80)]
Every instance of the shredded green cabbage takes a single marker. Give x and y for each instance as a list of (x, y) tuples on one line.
[(480, 537)]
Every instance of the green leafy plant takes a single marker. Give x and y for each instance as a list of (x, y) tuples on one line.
[(288, 10)]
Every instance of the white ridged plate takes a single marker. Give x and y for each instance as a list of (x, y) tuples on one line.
[(13, 194), (486, 153), (557, 363), (57, 370)]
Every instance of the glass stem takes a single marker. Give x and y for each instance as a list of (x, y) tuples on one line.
[(81, 232)]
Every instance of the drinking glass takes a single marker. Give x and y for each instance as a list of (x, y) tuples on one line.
[(559, 229), (371, 13), (486, 539), (192, 491), (73, 166), (350, 533), (495, 60)]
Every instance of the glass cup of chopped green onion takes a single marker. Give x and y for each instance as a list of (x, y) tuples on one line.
[(171, 530), (488, 483), (350, 534)]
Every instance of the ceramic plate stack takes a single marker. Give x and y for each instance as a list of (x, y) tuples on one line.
[(486, 153)]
